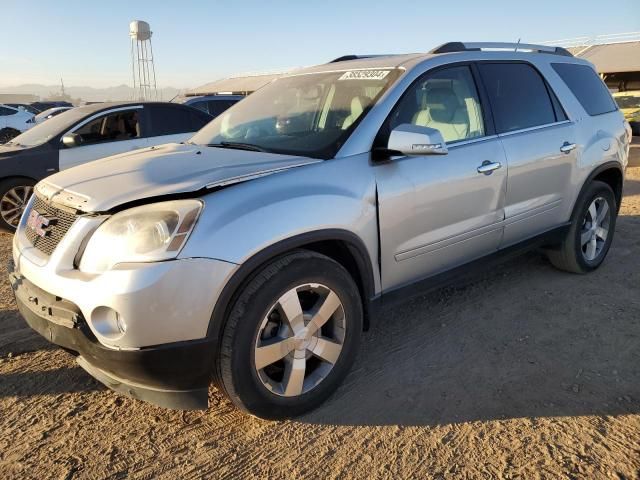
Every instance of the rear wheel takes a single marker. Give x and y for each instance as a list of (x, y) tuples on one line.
[(291, 336), (591, 232), (7, 134), (14, 195)]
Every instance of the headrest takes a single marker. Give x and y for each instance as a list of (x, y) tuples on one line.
[(442, 103), (357, 105)]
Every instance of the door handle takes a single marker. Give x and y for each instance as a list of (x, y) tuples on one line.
[(488, 167), (567, 147)]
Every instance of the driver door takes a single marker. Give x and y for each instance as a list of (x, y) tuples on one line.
[(438, 211)]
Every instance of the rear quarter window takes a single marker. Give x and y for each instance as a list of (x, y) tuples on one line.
[(587, 87), (171, 120)]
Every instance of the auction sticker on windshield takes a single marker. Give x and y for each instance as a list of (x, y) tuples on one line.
[(364, 75)]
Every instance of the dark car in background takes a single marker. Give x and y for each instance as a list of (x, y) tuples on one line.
[(42, 106), (214, 105), (24, 106), (83, 134)]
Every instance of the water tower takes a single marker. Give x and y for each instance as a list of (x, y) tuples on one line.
[(144, 72)]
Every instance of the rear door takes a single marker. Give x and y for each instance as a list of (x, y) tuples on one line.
[(439, 211), (540, 144), (104, 134), (174, 123)]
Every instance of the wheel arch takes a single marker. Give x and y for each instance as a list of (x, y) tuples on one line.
[(609, 173), (343, 246)]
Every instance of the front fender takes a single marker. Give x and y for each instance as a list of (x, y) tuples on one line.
[(240, 221)]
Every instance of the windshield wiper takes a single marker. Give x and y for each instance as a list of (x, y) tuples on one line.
[(239, 146)]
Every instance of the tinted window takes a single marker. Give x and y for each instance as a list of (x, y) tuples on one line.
[(216, 107), (446, 100), (201, 105), (171, 120), (518, 96), (199, 119), (6, 111), (588, 88)]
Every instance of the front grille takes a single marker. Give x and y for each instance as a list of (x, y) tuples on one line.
[(60, 222)]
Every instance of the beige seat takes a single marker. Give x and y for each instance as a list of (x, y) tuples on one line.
[(443, 112), (358, 104)]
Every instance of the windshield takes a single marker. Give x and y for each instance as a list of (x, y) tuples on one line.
[(45, 131), (310, 114), (628, 101)]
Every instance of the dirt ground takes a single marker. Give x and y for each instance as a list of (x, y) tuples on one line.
[(525, 372)]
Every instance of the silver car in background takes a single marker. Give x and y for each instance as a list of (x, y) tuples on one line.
[(255, 254)]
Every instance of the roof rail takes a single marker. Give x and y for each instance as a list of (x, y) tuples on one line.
[(478, 46), (344, 58)]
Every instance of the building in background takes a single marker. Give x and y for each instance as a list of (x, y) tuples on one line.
[(236, 85), (616, 57)]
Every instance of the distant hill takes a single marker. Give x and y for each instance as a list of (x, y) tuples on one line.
[(87, 94)]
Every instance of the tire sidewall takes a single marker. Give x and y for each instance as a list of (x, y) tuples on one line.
[(596, 189), (256, 398)]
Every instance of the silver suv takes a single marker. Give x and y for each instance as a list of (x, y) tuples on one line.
[(255, 254)]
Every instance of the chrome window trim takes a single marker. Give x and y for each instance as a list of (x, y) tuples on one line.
[(460, 143), (469, 141), (531, 129), (100, 114)]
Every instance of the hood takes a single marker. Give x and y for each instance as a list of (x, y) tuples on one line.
[(168, 169)]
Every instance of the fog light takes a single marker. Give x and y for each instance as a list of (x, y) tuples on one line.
[(108, 323)]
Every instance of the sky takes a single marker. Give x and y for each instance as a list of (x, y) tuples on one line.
[(87, 43)]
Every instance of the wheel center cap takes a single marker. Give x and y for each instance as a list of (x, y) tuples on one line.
[(300, 339)]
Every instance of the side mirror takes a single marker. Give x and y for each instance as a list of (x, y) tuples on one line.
[(71, 140), (409, 139)]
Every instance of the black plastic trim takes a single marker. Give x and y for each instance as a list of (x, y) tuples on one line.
[(594, 173), (174, 375), (246, 271), (440, 280)]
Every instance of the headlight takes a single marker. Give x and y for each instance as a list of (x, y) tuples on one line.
[(149, 233)]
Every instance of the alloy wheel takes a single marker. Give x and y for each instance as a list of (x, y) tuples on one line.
[(300, 340), (595, 228), (13, 203)]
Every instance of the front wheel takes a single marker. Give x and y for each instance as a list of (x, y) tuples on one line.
[(591, 232), (14, 195), (291, 336)]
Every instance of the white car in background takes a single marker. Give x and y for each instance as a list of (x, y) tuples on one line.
[(13, 121), (50, 113)]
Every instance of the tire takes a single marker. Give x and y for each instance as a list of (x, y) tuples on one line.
[(14, 195), (7, 134), (573, 254), (258, 319)]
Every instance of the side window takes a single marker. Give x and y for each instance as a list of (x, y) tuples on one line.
[(166, 120), (6, 111), (446, 100), (199, 119), (216, 107), (588, 88), (116, 126), (201, 105), (518, 96)]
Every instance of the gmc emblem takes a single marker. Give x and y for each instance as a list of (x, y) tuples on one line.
[(40, 224)]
